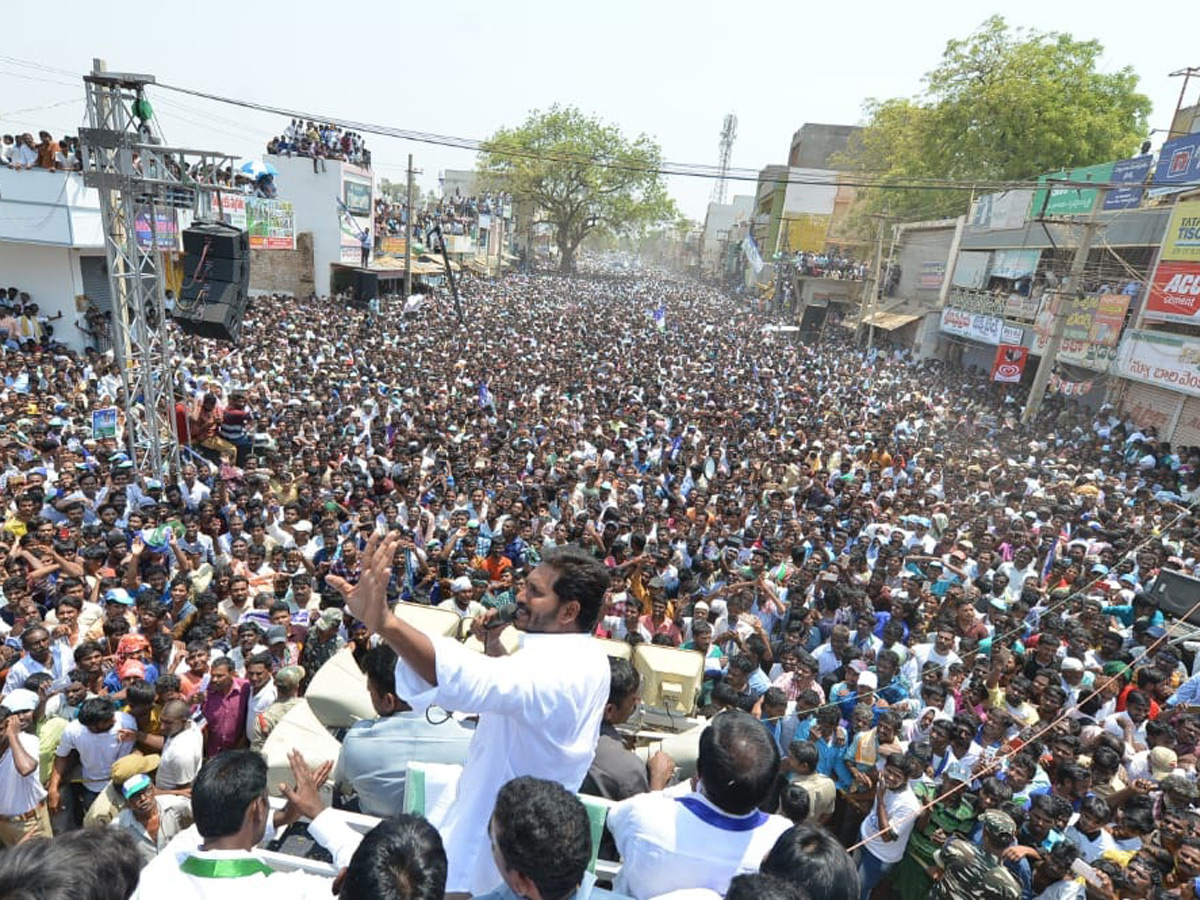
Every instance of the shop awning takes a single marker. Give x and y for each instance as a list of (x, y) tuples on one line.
[(890, 321)]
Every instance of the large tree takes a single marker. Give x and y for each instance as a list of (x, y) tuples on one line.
[(580, 174), (1004, 105)]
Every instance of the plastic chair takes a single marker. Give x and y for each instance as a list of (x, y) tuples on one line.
[(597, 811)]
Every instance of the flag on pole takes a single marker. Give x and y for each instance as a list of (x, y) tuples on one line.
[(753, 257)]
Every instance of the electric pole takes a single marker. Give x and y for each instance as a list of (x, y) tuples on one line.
[(874, 282), (1072, 288), (408, 220)]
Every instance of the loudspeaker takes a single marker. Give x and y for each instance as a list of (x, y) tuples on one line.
[(215, 269), (1176, 594), (366, 287), (213, 310), (216, 240)]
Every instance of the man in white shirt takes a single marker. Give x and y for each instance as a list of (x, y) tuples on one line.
[(682, 839), (42, 654), (887, 827), (23, 812), (183, 748), (262, 687), (460, 600), (215, 858), (100, 736), (541, 708)]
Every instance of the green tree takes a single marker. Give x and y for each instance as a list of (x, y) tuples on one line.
[(1004, 105), (580, 174)]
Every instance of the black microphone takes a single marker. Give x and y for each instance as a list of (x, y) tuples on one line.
[(505, 615)]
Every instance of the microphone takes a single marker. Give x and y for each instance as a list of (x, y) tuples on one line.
[(505, 615)]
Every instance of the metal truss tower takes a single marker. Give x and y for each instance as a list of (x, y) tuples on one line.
[(138, 178), (728, 135)]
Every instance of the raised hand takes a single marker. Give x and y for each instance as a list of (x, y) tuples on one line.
[(367, 599)]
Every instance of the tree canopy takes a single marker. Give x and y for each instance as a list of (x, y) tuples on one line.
[(580, 174), (1003, 105)]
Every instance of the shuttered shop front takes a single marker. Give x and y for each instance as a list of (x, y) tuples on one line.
[(1187, 432), (1152, 406)]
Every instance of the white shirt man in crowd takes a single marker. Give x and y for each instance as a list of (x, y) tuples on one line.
[(183, 748), (679, 838), (23, 813), (540, 708)]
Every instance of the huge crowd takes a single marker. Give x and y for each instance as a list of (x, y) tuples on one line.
[(926, 630), (320, 141)]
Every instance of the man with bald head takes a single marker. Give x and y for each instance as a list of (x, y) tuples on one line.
[(183, 748)]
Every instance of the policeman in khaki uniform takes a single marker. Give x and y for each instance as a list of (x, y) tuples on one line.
[(977, 873)]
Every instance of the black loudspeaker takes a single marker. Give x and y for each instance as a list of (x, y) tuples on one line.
[(215, 268), (366, 287), (216, 281), (1176, 594), (216, 240), (212, 310)]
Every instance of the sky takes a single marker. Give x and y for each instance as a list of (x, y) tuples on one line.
[(671, 70)]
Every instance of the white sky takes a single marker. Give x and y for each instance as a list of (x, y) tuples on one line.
[(670, 69)]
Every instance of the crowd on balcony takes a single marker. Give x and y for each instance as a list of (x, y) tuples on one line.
[(22, 152), (833, 263), (319, 142)]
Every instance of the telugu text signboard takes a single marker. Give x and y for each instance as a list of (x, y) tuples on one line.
[(1073, 198), (978, 327), (1164, 360), (1128, 177)]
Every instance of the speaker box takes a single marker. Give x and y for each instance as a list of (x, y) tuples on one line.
[(216, 268), (213, 310), (1176, 594), (366, 287), (216, 240)]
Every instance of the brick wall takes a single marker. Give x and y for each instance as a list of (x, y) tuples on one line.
[(284, 271)]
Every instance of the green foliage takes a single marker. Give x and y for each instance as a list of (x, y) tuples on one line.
[(1004, 105), (582, 176)]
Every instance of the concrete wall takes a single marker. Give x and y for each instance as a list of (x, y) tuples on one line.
[(919, 253), (460, 180), (719, 218), (51, 276), (314, 198), (284, 271), (42, 207), (814, 145)]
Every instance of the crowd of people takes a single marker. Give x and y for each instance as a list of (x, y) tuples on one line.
[(21, 151), (833, 263), (932, 662), (319, 142), (454, 214)]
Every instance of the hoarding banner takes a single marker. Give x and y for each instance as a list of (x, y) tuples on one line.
[(1131, 175), (165, 232), (392, 246), (971, 269), (1085, 354), (1014, 264), (932, 275), (1069, 388), (1178, 166), (104, 423), (271, 223), (357, 197), (1069, 200), (1175, 293), (232, 209), (978, 327), (1108, 319), (1009, 363), (1022, 306), (1182, 241), (1165, 360)]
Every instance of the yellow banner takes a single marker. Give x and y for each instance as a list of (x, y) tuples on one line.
[(1183, 233), (394, 245), (807, 231)]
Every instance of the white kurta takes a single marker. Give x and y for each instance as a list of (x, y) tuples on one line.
[(540, 715), (162, 878)]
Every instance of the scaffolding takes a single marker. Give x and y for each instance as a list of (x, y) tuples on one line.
[(138, 178)]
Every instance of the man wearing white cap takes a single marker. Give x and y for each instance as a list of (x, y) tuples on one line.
[(23, 811), (460, 600)]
